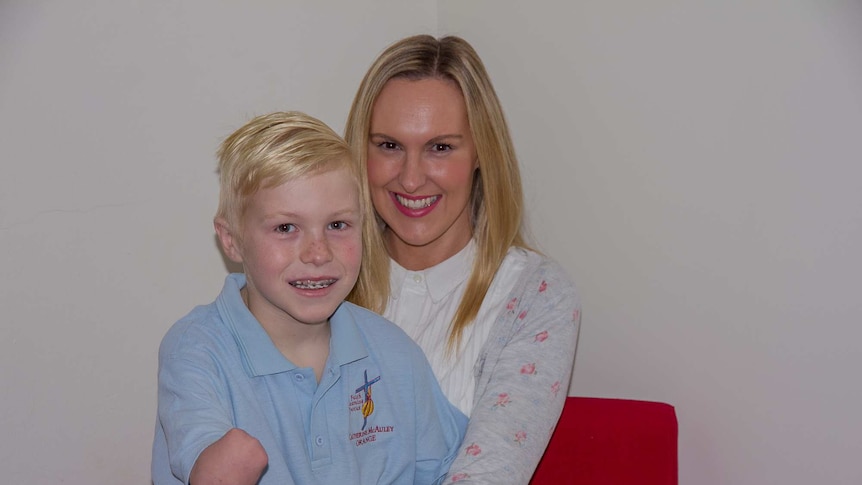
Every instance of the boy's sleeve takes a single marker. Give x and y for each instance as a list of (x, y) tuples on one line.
[(440, 426), (193, 411)]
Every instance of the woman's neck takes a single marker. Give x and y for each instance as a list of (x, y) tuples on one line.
[(417, 258)]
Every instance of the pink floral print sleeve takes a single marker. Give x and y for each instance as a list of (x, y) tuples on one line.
[(522, 378)]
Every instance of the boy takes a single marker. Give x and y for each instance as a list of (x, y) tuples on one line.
[(279, 381)]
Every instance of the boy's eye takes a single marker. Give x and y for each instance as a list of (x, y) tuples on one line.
[(338, 225), (285, 228)]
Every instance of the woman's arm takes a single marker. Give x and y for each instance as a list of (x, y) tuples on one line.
[(522, 381)]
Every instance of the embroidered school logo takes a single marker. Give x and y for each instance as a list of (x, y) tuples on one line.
[(368, 403), (361, 401)]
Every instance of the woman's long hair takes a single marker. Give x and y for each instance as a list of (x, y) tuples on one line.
[(497, 199)]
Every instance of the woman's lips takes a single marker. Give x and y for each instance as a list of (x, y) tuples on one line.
[(415, 206)]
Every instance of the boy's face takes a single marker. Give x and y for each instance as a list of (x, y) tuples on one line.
[(301, 248)]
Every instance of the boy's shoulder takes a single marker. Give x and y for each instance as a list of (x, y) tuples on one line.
[(376, 328), (370, 321), (198, 326)]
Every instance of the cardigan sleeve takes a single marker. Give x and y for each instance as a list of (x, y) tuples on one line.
[(522, 381)]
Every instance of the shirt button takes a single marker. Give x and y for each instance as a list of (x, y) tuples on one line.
[(417, 278), (299, 377), (319, 440)]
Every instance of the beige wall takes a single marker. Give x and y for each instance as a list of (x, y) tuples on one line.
[(110, 114), (695, 166)]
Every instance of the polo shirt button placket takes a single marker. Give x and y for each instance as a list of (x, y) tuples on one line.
[(319, 441)]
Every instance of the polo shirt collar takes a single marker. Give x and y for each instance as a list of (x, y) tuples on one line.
[(261, 356), (346, 344), (441, 279)]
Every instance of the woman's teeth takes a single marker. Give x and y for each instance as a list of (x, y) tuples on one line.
[(312, 285), (416, 203)]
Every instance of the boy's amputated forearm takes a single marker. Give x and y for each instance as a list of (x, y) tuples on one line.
[(236, 458)]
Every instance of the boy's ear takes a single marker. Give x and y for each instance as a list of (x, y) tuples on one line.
[(229, 243)]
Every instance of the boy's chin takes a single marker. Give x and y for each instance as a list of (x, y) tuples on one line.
[(317, 316)]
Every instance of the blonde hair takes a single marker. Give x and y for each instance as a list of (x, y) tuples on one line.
[(497, 198), (279, 147)]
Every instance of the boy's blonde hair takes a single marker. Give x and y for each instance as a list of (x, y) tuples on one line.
[(279, 147)]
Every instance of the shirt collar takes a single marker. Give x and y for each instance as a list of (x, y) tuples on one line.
[(441, 279), (347, 343), (261, 356)]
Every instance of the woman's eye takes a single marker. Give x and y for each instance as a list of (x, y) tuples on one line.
[(338, 225), (441, 147), (285, 228), (388, 145)]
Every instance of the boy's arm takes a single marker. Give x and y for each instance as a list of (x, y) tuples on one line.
[(200, 441), (236, 458)]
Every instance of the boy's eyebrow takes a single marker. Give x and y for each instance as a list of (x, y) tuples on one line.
[(345, 211), (337, 213)]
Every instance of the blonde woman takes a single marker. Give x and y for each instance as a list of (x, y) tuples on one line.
[(497, 320)]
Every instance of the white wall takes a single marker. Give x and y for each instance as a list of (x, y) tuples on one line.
[(697, 166), (110, 113)]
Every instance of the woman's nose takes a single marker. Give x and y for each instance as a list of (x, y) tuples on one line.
[(412, 175)]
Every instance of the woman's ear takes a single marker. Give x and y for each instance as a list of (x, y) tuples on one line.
[(230, 244)]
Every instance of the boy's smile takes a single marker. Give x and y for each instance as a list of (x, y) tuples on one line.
[(300, 245)]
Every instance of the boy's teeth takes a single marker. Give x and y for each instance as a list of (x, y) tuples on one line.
[(416, 204), (312, 285)]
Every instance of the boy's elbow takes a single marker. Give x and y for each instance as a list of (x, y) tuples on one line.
[(248, 449), (237, 458)]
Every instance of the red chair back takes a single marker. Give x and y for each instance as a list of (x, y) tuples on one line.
[(611, 442)]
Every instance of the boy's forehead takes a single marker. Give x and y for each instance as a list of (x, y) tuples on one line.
[(335, 189), (342, 165)]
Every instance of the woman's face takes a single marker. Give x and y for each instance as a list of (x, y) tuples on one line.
[(421, 164)]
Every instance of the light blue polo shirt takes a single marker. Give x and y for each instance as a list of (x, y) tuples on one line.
[(377, 415)]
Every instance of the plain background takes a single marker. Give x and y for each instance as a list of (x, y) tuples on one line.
[(694, 165)]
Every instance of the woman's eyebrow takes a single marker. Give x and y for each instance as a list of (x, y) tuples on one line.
[(445, 137), (436, 138), (388, 138)]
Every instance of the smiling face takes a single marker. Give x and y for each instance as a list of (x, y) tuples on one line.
[(300, 244), (421, 165)]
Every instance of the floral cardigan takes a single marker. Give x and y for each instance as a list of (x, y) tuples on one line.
[(522, 379)]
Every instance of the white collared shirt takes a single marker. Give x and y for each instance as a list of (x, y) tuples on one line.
[(423, 303)]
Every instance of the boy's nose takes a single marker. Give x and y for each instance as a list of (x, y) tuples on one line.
[(317, 251)]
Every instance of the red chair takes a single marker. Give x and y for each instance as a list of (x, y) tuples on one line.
[(611, 442)]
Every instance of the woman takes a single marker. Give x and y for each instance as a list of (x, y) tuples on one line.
[(497, 320)]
